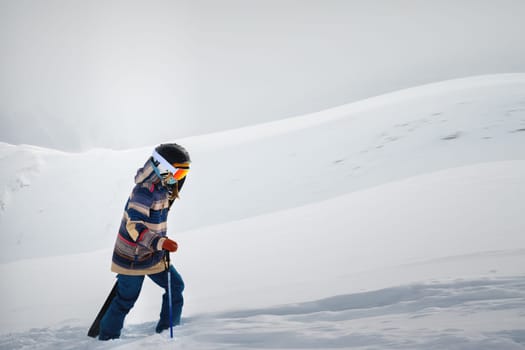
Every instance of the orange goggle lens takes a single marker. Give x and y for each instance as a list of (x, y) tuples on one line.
[(180, 174)]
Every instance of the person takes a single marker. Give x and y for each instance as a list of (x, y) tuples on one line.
[(141, 244)]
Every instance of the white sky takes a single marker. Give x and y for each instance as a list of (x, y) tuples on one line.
[(119, 74)]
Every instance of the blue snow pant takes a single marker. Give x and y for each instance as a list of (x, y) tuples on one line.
[(128, 291)]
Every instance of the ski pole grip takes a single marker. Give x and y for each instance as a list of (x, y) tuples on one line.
[(168, 260)]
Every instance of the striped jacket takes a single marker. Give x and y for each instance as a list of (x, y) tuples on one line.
[(138, 247)]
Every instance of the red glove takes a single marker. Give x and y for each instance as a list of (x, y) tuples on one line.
[(170, 245)]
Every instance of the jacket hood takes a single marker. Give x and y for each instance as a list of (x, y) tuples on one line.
[(146, 174)]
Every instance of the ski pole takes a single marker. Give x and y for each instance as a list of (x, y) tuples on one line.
[(170, 304)]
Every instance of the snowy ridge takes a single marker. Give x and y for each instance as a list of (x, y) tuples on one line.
[(270, 129), (396, 226)]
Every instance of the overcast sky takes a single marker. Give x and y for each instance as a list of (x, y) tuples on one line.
[(120, 74)]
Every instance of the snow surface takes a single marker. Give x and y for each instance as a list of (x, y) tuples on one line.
[(392, 223)]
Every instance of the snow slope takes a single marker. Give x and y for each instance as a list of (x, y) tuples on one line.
[(269, 167), (394, 222)]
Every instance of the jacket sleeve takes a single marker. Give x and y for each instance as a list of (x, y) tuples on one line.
[(138, 211)]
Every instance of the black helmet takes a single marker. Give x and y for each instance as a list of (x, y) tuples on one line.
[(173, 153), (171, 162)]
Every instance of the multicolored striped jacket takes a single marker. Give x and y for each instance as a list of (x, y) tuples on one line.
[(138, 248)]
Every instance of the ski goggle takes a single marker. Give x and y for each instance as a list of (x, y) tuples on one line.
[(170, 173), (181, 170)]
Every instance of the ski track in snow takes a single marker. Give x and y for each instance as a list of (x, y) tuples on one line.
[(416, 316)]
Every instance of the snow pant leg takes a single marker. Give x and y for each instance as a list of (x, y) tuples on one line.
[(128, 291), (177, 287)]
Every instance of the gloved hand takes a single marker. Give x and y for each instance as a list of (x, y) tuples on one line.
[(170, 245)]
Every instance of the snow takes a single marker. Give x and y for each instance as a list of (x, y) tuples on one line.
[(394, 222)]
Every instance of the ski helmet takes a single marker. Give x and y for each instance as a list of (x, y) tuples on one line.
[(173, 153), (171, 163)]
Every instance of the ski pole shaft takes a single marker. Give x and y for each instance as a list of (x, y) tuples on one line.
[(170, 303)]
